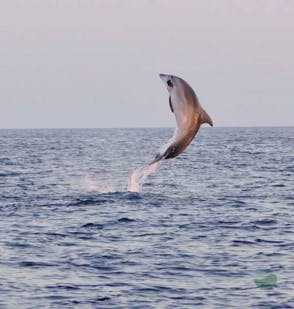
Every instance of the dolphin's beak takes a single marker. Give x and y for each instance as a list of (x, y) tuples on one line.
[(162, 76)]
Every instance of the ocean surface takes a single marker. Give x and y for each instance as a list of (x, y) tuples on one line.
[(212, 228)]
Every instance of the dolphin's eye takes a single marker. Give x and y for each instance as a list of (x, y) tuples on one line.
[(170, 84)]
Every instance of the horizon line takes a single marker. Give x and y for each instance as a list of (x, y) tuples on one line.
[(136, 127)]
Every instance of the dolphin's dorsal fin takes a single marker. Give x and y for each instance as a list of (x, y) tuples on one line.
[(170, 104), (205, 118)]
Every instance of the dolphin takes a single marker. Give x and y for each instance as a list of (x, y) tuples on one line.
[(189, 115)]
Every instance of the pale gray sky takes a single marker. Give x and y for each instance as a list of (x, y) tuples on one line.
[(95, 63)]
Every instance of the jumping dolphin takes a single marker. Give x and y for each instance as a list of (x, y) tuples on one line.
[(189, 115)]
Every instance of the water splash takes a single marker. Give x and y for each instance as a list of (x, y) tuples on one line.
[(140, 175), (95, 187)]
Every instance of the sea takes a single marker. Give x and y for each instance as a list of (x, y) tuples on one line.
[(212, 228)]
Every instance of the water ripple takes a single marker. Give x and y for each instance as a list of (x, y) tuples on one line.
[(207, 226)]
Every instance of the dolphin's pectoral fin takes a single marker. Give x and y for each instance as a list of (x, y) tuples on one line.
[(205, 118), (157, 158), (170, 104)]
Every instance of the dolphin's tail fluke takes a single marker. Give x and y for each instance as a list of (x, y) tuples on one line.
[(157, 159), (170, 152)]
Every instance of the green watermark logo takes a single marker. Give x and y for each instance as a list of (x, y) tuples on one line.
[(265, 281)]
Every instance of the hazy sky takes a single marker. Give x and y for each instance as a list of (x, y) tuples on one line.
[(95, 63)]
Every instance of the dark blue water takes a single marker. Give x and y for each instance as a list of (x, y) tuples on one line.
[(206, 227)]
